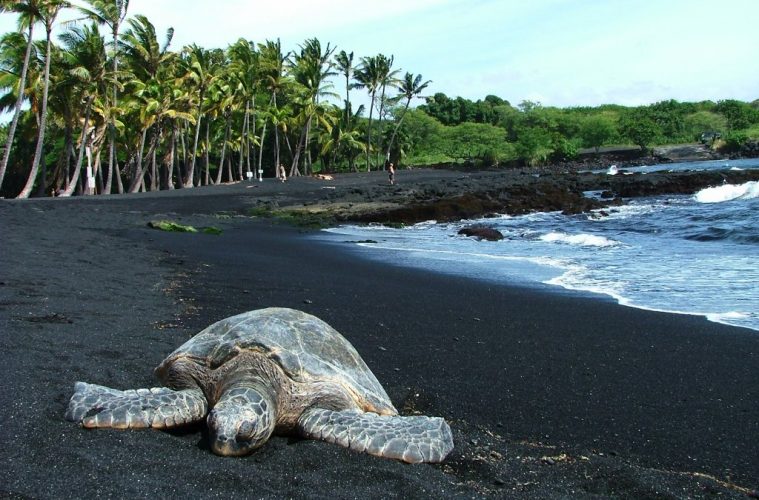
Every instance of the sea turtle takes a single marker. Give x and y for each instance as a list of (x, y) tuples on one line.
[(267, 371)]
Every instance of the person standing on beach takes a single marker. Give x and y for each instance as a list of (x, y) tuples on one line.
[(282, 173), (391, 173)]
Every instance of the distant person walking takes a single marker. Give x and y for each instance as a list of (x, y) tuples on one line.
[(282, 173), (391, 173)]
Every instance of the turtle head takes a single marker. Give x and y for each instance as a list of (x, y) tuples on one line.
[(242, 420)]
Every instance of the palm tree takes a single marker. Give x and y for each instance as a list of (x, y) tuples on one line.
[(49, 10), (411, 86), (244, 64), (148, 61), (198, 72), (344, 62), (311, 68), (386, 78), (29, 15), (111, 13), (87, 63), (368, 76), (272, 74)]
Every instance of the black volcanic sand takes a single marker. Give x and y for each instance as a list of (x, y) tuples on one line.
[(548, 394)]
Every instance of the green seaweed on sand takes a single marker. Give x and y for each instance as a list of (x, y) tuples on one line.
[(175, 227)]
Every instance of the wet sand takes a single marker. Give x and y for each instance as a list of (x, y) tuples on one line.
[(548, 394)]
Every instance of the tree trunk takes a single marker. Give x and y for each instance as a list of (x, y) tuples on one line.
[(369, 133), (82, 147), (294, 170), (307, 163), (191, 171), (224, 148), (242, 139), (395, 130), (182, 164), (172, 158), (153, 172), (113, 161), (207, 179), (253, 119), (43, 122), (17, 108), (379, 127), (139, 172), (261, 149)]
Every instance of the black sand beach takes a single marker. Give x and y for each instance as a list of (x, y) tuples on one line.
[(548, 394)]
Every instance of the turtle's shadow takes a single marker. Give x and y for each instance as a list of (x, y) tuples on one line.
[(187, 430)]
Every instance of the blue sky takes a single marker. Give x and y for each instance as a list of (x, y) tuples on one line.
[(558, 52)]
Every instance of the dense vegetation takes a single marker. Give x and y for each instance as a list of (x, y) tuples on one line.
[(492, 130), (117, 110)]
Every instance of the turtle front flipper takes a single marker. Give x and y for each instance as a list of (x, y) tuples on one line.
[(410, 439), (96, 406)]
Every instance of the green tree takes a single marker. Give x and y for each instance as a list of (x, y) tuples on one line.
[(198, 72), (87, 71), (49, 10), (111, 13), (386, 79), (344, 63), (28, 15), (739, 114), (410, 86), (272, 61), (639, 128), (597, 130), (369, 77), (311, 69), (704, 121)]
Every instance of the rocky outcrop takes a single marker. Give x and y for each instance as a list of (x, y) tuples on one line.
[(482, 233)]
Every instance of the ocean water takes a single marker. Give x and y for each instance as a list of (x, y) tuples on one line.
[(694, 254)]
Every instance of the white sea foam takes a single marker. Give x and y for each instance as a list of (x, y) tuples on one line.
[(613, 170), (728, 192), (736, 169), (586, 240)]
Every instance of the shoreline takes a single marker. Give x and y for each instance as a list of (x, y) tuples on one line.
[(548, 395)]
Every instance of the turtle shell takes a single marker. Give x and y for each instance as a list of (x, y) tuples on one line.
[(305, 347)]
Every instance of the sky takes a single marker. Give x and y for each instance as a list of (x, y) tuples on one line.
[(556, 52)]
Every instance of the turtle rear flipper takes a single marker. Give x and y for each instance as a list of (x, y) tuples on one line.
[(96, 406), (411, 439)]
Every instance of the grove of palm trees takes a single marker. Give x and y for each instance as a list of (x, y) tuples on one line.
[(112, 107)]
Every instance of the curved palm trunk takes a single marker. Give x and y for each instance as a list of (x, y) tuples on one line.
[(43, 122), (224, 148), (261, 149), (137, 181), (379, 127), (395, 130), (277, 159), (207, 177), (113, 167), (188, 183), (19, 103), (294, 169), (243, 136), (369, 133), (171, 158), (82, 147)]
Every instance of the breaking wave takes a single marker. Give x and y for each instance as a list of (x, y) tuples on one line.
[(728, 192), (585, 240)]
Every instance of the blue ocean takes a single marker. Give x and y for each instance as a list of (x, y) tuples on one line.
[(696, 254)]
